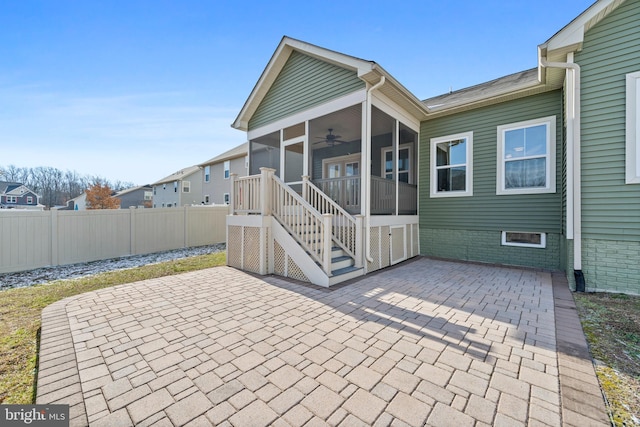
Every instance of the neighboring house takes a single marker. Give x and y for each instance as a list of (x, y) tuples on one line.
[(178, 189), (141, 197), (216, 174), (14, 195), (78, 203), (539, 169)]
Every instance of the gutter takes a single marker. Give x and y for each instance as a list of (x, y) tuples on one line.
[(574, 181), (367, 170)]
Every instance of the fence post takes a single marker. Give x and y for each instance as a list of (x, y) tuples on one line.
[(186, 226), (54, 237), (327, 219), (232, 193), (132, 230), (358, 248)]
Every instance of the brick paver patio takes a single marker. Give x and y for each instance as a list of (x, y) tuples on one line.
[(429, 342)]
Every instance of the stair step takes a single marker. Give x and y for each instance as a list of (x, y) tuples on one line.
[(344, 270)]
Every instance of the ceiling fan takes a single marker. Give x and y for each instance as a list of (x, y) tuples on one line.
[(330, 139)]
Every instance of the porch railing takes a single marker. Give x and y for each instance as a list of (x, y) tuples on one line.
[(312, 217), (266, 194), (344, 191), (246, 197), (344, 227), (383, 197)]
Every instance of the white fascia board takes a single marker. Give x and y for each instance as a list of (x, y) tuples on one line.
[(310, 114), (573, 33)]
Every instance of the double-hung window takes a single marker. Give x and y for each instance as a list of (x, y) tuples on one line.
[(227, 169), (207, 173), (526, 157), (632, 153), (452, 165)]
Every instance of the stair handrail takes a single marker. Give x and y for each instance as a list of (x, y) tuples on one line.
[(344, 225), (308, 226)]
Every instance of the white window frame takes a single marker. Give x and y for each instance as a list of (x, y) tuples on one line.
[(227, 169), (632, 152), (468, 136), (186, 186), (542, 245), (226, 198), (550, 157), (383, 170), (207, 173), (29, 200), (12, 199)]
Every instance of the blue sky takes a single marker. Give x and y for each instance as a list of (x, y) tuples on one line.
[(135, 90)]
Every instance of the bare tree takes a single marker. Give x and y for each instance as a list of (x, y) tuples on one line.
[(54, 186)]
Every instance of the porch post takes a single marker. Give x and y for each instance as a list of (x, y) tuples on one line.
[(265, 190), (232, 193), (358, 250), (327, 219)]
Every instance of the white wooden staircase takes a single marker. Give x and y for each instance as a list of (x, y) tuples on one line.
[(319, 237)]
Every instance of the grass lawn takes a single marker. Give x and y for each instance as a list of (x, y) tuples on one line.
[(20, 317), (611, 323)]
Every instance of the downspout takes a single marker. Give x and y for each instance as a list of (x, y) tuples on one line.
[(574, 181), (367, 171)]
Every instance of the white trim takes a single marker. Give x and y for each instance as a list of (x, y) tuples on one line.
[(632, 154), (550, 177), (332, 106), (542, 245), (468, 191), (207, 173)]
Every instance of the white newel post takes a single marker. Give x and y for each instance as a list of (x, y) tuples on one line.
[(358, 237), (232, 193), (305, 187), (327, 219), (265, 190)]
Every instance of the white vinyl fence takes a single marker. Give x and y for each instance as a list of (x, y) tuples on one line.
[(33, 239)]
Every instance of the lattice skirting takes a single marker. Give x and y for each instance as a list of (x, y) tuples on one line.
[(284, 266)]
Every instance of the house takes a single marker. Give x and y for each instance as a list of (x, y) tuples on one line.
[(216, 174), (183, 187), (14, 195), (349, 172), (78, 203), (140, 196)]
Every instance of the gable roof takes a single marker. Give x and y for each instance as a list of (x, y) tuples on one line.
[(6, 187), (179, 175), (368, 71), (131, 190), (239, 151)]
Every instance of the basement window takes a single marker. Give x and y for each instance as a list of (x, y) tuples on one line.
[(524, 239)]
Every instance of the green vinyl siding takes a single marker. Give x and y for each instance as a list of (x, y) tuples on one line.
[(610, 208), (485, 210), (304, 82)]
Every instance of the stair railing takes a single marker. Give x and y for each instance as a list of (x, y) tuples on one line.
[(308, 227), (344, 227)]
